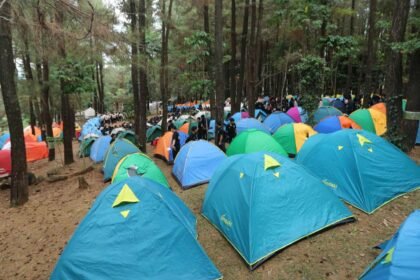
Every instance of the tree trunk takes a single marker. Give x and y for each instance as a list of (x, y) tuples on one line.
[(19, 189), (350, 61), (413, 97), (393, 75), (134, 65), (68, 126), (100, 85), (251, 61), (244, 38), (207, 65), (235, 103), (144, 90), (370, 47), (218, 59), (45, 105)]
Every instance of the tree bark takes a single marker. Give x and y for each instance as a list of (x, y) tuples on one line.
[(370, 47), (207, 64), (350, 61), (66, 110), (134, 65), (235, 103), (393, 75), (243, 64), (218, 58), (19, 188), (251, 61), (100, 85), (144, 90)]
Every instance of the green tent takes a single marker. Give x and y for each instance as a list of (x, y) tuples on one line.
[(129, 135), (138, 164), (252, 140), (84, 150), (153, 132)]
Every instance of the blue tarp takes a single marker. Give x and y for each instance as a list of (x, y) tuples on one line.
[(362, 168), (3, 139), (196, 163), (250, 123), (116, 151), (277, 119), (400, 257), (136, 229), (99, 148), (264, 202)]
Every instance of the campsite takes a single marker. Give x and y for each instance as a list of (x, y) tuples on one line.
[(241, 139)]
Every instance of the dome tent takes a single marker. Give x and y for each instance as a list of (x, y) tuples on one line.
[(250, 123), (86, 146), (371, 120), (292, 136), (277, 119), (163, 147), (153, 132), (298, 114), (136, 229), (253, 140), (335, 123), (360, 167), (138, 164), (264, 202), (400, 255), (116, 151), (326, 111), (196, 163), (99, 148)]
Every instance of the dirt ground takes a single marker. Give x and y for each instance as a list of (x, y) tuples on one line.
[(32, 236)]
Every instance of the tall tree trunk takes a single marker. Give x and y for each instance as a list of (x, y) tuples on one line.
[(207, 65), (144, 90), (134, 65), (164, 74), (243, 64), (19, 189), (66, 110), (30, 79), (251, 61), (349, 77), (218, 59), (413, 97), (100, 85), (393, 75), (235, 103), (370, 47)]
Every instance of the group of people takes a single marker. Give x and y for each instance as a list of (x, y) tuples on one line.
[(111, 118)]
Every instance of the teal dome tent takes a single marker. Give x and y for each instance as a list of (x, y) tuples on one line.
[(136, 229), (362, 168), (264, 202)]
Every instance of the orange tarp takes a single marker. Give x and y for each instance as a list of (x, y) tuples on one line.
[(163, 146)]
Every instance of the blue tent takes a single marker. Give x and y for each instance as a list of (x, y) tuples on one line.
[(250, 123), (418, 135), (277, 119), (264, 202), (326, 111), (136, 229), (362, 168), (116, 151), (400, 257), (212, 129), (196, 163), (260, 115), (91, 127), (99, 148), (3, 139)]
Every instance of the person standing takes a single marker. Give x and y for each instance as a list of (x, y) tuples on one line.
[(231, 130), (193, 135), (205, 126), (220, 137), (175, 142)]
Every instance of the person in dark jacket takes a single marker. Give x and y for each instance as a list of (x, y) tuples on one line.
[(220, 137), (193, 135), (175, 142), (231, 130)]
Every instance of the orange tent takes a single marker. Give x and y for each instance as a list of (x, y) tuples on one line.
[(163, 146), (379, 107), (56, 132), (346, 122), (36, 151), (185, 128), (28, 130)]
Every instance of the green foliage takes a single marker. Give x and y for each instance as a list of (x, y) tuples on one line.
[(311, 71), (342, 46)]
